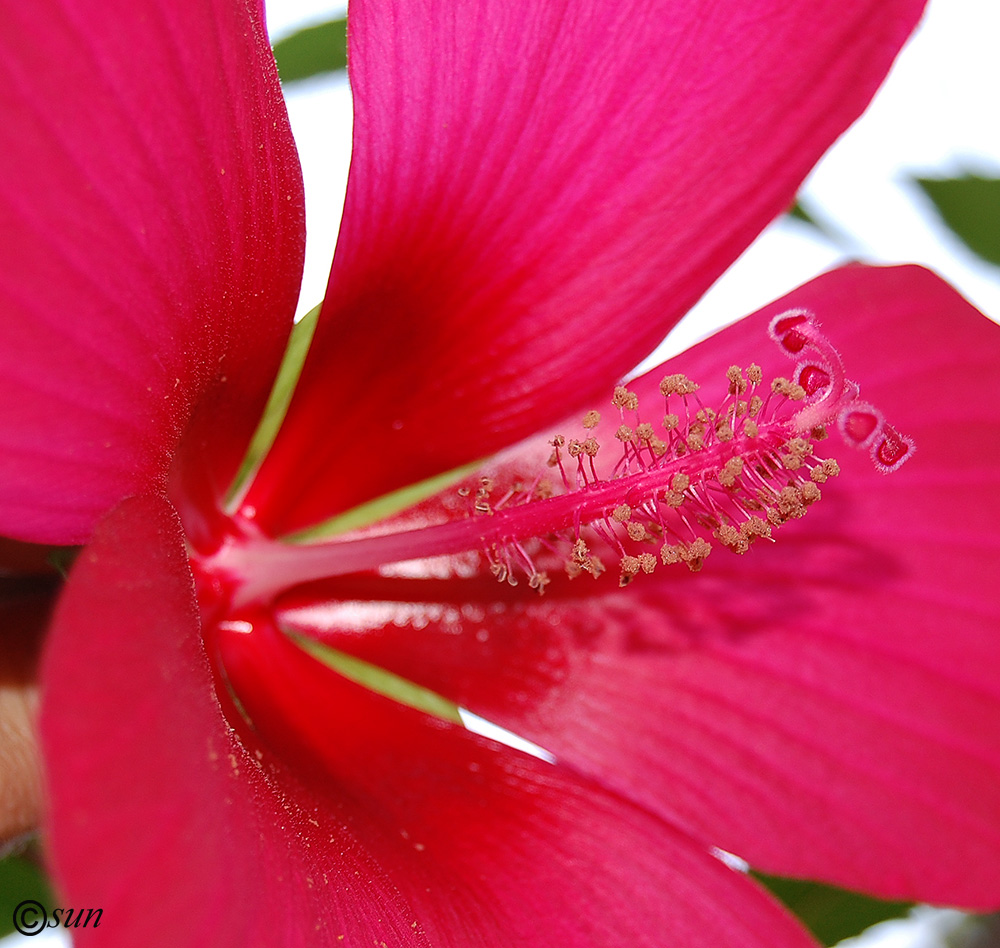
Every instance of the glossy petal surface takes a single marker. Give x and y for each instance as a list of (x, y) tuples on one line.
[(826, 706), (538, 192), (150, 248), (370, 824)]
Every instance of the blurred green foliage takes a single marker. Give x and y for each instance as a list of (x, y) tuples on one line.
[(970, 206), (21, 877), (831, 914), (312, 51)]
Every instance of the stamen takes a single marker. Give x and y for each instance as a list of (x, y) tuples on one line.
[(730, 474)]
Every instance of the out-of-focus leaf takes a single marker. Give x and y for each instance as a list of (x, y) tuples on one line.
[(312, 51), (21, 878), (831, 914), (801, 211), (970, 206)]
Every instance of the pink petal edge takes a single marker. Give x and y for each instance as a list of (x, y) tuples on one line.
[(825, 706), (537, 194), (151, 236), (372, 824)]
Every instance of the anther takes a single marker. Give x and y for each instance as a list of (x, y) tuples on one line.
[(622, 513)]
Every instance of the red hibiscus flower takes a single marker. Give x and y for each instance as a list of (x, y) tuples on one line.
[(264, 690)]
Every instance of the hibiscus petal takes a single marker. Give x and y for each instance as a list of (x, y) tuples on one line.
[(824, 706), (151, 243), (371, 825), (537, 194)]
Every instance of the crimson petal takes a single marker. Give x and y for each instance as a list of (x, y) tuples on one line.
[(825, 706), (340, 817), (537, 194), (150, 249)]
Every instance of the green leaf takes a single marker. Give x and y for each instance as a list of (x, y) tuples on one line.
[(800, 211), (21, 879), (831, 914), (970, 206), (312, 51)]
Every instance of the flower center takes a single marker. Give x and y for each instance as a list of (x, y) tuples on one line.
[(652, 494)]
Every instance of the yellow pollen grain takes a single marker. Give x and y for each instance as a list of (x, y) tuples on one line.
[(580, 550), (622, 513), (730, 536), (658, 447), (695, 440), (592, 419), (630, 566), (800, 446), (754, 373), (831, 468), (670, 554), (737, 384), (677, 384), (724, 432), (558, 441), (695, 554), (575, 448), (636, 531), (810, 493), (730, 471), (591, 447), (756, 404), (750, 428), (544, 490), (624, 433), (647, 562), (645, 432), (670, 422), (623, 398), (680, 481)]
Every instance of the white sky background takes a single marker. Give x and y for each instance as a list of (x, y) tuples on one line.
[(937, 115)]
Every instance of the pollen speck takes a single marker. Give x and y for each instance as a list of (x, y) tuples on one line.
[(592, 419), (636, 531), (623, 398), (621, 513)]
